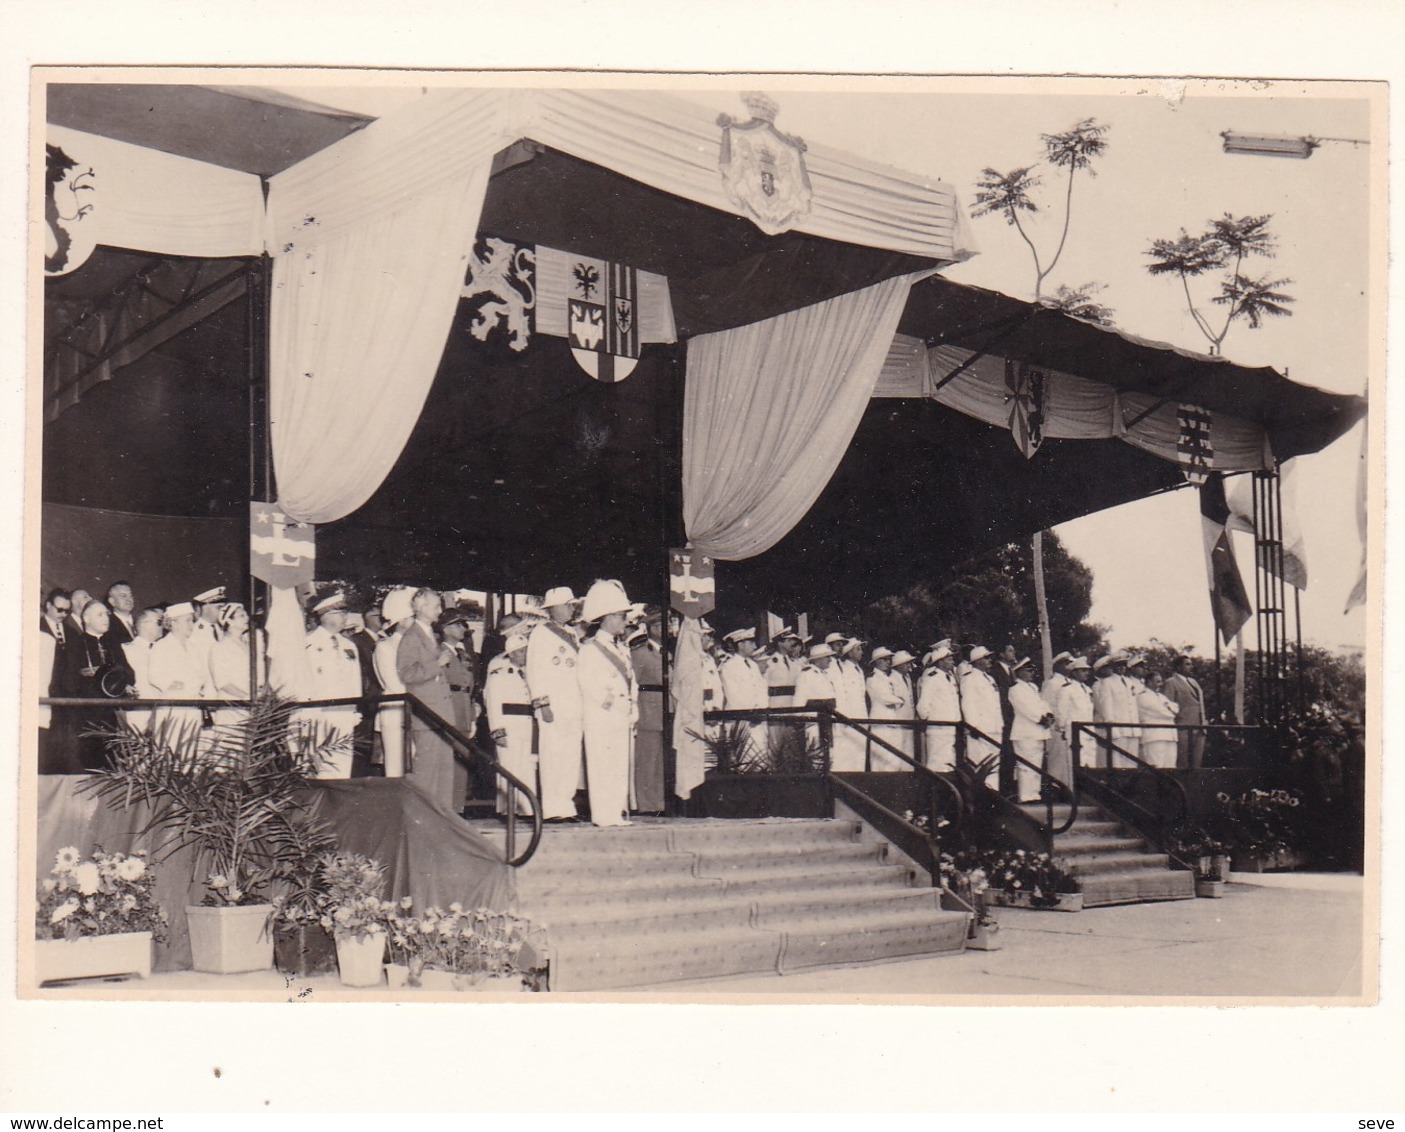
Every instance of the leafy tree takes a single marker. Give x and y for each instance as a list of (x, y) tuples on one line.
[(1224, 246), (1009, 194), (990, 600), (1079, 302)]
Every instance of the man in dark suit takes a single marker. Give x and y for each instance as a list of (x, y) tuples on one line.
[(56, 741), (1184, 691), (363, 741), (122, 605)]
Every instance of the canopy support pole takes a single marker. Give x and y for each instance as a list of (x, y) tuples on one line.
[(261, 485)]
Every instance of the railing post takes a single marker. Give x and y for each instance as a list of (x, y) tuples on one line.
[(406, 712), (511, 793)]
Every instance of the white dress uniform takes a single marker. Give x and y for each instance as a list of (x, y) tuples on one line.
[(138, 654), (939, 700), (333, 672), (609, 700), (744, 688), (889, 697), (1158, 744), (1056, 751), (814, 684), (229, 669), (508, 703), (1028, 736), (552, 657), (714, 693), (1075, 705), (390, 719), (178, 671), (980, 707), (849, 745), (1115, 702)]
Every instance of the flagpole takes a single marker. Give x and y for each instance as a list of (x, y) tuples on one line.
[(257, 294)]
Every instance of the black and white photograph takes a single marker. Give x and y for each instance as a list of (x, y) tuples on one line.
[(497, 540)]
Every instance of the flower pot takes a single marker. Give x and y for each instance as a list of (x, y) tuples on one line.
[(396, 975), (127, 953), (430, 979), (228, 939), (360, 960), (998, 898), (983, 937), (1219, 866), (304, 951), (1209, 887)]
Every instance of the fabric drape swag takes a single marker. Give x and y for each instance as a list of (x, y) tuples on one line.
[(769, 411)]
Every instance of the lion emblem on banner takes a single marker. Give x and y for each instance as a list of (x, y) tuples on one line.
[(502, 283), (70, 230)]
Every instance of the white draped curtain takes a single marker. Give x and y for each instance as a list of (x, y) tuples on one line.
[(769, 411)]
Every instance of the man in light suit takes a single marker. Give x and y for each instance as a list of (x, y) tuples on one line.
[(420, 662), (1184, 691)]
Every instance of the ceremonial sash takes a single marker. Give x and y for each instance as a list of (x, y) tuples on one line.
[(564, 633), (625, 671)]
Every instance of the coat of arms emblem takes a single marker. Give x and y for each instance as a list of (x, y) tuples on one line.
[(691, 583), (602, 320), (763, 169)]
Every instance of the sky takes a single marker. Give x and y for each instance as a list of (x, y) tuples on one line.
[(1164, 170)]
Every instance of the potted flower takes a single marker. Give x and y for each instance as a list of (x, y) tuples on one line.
[(301, 946), (969, 887), (97, 916), (354, 913), (236, 797), (1263, 827), (466, 949), (1020, 878)]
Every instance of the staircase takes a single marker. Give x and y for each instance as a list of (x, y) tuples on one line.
[(1114, 864), (664, 901)]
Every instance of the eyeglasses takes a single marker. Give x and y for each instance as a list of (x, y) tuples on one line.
[(63, 608)]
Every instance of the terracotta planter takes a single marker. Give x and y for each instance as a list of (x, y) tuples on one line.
[(127, 953), (304, 951), (227, 940), (360, 960)]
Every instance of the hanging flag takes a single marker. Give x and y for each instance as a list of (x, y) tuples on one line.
[(71, 213), (602, 313), (1239, 495), (282, 551), (1194, 446), (500, 288), (1228, 600), (692, 590), (1025, 396)]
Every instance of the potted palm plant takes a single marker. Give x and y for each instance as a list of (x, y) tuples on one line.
[(235, 796)]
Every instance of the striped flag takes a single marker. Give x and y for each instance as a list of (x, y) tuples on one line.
[(1194, 445), (1228, 600)]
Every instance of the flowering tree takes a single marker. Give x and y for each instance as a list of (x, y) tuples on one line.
[(1010, 194), (1224, 246)]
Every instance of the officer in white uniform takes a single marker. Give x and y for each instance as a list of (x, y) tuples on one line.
[(333, 672), (178, 670), (552, 657), (980, 705), (609, 698), (781, 671), (744, 686), (1074, 704), (939, 700), (1029, 730), (714, 694), (208, 606), (814, 687), (849, 685), (1115, 702), (888, 698), (902, 675), (508, 703), (1056, 749)]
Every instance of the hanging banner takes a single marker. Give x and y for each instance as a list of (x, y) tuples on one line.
[(692, 590), (1195, 447), (1024, 393), (282, 551), (70, 209), (602, 318), (500, 288), (763, 170)]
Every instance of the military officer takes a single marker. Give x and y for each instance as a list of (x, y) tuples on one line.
[(208, 606), (981, 705), (552, 657), (888, 698), (939, 700), (1115, 704), (743, 683), (1054, 691), (1074, 704), (508, 704), (609, 699), (333, 672), (1030, 726), (849, 686), (814, 687), (646, 654), (781, 672)]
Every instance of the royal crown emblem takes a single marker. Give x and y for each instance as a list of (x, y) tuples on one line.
[(763, 170)]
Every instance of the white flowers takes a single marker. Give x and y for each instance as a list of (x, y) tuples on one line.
[(63, 911), (131, 868), (67, 859), (87, 877)]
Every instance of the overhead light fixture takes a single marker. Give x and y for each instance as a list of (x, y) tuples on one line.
[(1269, 145)]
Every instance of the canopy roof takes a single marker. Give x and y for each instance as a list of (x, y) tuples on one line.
[(523, 472)]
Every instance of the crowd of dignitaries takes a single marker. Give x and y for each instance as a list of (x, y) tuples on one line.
[(998, 697)]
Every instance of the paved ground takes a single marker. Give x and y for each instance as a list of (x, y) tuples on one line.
[(1295, 935)]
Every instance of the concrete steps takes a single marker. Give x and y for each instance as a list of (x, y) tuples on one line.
[(666, 901), (1113, 863)]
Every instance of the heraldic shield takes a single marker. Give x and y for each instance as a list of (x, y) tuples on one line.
[(692, 591), (763, 170), (603, 318), (71, 213), (282, 551)]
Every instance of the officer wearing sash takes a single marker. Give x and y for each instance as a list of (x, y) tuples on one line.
[(333, 673), (508, 703), (552, 650), (780, 676), (609, 699), (743, 683), (814, 688)]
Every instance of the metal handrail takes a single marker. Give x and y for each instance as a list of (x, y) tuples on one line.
[(924, 836), (1047, 830), (932, 776), (1159, 776), (465, 750)]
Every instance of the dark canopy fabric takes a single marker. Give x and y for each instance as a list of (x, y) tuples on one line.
[(1299, 418)]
